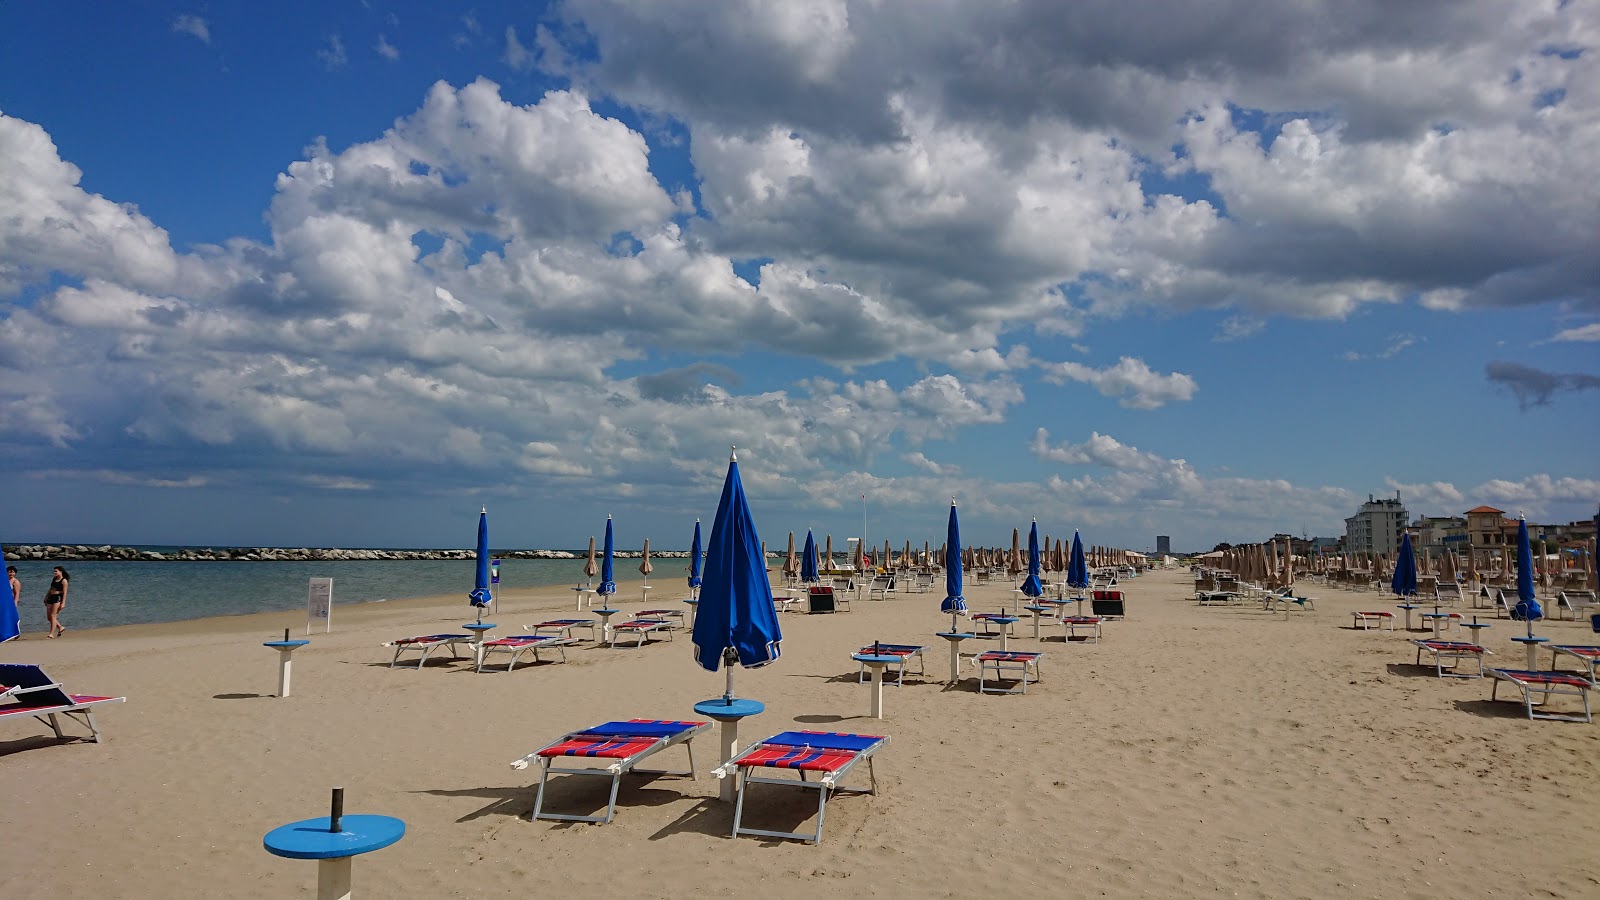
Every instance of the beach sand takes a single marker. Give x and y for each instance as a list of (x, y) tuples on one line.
[(1194, 752)]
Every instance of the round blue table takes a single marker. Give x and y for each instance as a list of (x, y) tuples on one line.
[(876, 664), (333, 850), (955, 638), (284, 648)]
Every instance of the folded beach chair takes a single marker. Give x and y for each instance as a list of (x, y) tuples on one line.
[(623, 745), (830, 755), (25, 690), (906, 653), (1091, 625), (426, 644), (562, 627), (1586, 655), (1449, 592), (1579, 603), (785, 604), (1366, 620), (1546, 683), (1108, 604), (882, 588), (1453, 651), (641, 629), (524, 643), (1004, 664)]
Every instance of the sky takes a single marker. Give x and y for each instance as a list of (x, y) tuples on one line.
[(342, 273)]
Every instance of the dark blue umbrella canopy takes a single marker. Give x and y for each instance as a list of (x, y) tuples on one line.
[(808, 560), (1527, 607), (954, 603), (608, 574), (1077, 567), (694, 557), (1404, 582), (736, 610), (480, 596), (1031, 585)]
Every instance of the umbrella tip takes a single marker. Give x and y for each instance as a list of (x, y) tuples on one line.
[(483, 510), (733, 453)]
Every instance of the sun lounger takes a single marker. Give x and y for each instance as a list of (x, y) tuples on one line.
[(998, 621), (1215, 598), (1449, 592), (830, 755), (641, 629), (1005, 663), (25, 690), (426, 644), (1109, 604), (882, 588), (1579, 603), (1454, 651), (1091, 624), (622, 744), (1586, 654), (782, 603), (1546, 683), (1366, 620), (906, 652), (562, 627), (673, 617), (524, 643)]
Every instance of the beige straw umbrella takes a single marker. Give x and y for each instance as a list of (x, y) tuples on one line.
[(827, 555), (1288, 562), (591, 568), (791, 563), (861, 557), (644, 564)]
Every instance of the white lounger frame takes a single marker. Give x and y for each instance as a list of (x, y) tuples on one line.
[(564, 628), (1576, 652), (1528, 689), (426, 647), (1455, 654), (641, 631), (826, 785), (614, 768), (543, 642), (80, 712), (1003, 666), (905, 657)]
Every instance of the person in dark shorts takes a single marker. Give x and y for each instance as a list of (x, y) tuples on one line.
[(55, 600)]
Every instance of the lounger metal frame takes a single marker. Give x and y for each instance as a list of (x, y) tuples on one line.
[(673, 617), (78, 707), (614, 768), (1586, 654), (1451, 650), (563, 627), (825, 786), (520, 644), (427, 644), (906, 652), (1365, 618), (1003, 661), (1572, 684), (641, 629)]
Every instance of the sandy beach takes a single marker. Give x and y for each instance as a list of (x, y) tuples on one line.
[(1194, 752)]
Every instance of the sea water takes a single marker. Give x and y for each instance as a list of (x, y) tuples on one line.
[(126, 593)]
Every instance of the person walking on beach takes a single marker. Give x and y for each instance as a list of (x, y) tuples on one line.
[(55, 600), (16, 586)]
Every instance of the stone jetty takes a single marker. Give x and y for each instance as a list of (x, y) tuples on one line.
[(55, 552)]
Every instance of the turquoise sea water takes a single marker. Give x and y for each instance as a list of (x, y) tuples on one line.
[(126, 593)]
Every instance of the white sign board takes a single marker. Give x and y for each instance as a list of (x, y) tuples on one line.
[(319, 604)]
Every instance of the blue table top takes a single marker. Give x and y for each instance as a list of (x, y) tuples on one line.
[(284, 645), (737, 708), (1036, 609), (479, 626), (606, 611), (692, 601), (873, 660), (955, 635), (1475, 625), (311, 839), (1532, 640)]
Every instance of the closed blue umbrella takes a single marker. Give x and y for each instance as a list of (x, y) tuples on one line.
[(954, 603), (10, 624), (1404, 582), (736, 622), (1527, 607), (480, 596), (694, 559), (1077, 567), (808, 560), (1031, 586), (608, 575)]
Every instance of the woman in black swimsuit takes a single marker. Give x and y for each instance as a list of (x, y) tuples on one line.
[(55, 600)]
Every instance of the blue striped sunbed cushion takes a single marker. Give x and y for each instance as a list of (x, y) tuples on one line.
[(824, 741)]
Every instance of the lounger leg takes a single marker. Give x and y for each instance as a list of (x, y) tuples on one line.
[(56, 726), (94, 730), (538, 799), (738, 806), (611, 807), (822, 810)]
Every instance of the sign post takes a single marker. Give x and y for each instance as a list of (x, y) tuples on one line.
[(319, 604), (494, 579)]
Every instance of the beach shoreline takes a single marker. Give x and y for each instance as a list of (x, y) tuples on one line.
[(1196, 751)]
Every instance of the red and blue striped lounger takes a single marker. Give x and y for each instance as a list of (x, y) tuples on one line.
[(1005, 663), (25, 690), (1546, 683), (1365, 620), (993, 620), (641, 629), (906, 652), (828, 754), (1453, 651), (1587, 654), (673, 617), (426, 644), (562, 627), (1071, 624), (516, 645), (621, 744)]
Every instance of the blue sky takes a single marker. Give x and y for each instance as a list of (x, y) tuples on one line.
[(338, 274)]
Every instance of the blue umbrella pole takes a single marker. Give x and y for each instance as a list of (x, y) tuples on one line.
[(730, 660)]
